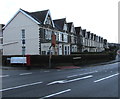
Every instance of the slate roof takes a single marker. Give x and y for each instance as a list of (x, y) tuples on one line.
[(59, 23), (69, 26), (92, 35), (39, 15), (83, 32), (1, 33), (88, 34), (1, 26), (77, 29)]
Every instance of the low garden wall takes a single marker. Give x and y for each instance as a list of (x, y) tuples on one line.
[(78, 59)]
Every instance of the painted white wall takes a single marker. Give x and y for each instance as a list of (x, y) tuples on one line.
[(45, 47), (60, 49), (12, 33)]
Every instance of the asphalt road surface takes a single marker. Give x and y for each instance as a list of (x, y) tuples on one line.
[(99, 81)]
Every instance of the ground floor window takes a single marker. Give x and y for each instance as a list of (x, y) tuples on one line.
[(65, 50), (43, 52), (23, 50)]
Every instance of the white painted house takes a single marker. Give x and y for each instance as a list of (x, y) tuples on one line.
[(63, 42), (30, 33), (22, 33)]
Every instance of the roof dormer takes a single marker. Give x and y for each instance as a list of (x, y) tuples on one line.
[(48, 19)]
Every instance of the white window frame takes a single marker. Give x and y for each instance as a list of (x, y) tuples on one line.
[(48, 34), (65, 27), (23, 33)]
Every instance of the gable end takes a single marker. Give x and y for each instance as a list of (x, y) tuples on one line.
[(20, 10)]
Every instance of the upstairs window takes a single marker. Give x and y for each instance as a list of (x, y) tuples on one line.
[(48, 21), (48, 34), (57, 36), (72, 29), (60, 37), (23, 33), (72, 39), (65, 27), (65, 38)]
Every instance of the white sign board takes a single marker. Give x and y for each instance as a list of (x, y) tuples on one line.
[(18, 60)]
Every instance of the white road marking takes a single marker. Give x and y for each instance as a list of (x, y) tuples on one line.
[(4, 76), (106, 77), (58, 93), (58, 70), (20, 86), (54, 82), (81, 74), (46, 71), (67, 81), (79, 78), (71, 76), (25, 74)]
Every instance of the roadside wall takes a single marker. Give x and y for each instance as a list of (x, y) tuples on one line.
[(63, 60)]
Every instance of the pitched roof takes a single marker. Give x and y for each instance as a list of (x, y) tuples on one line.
[(1, 26), (26, 13), (88, 34), (92, 35), (38, 15), (83, 32), (78, 29), (69, 26), (59, 23)]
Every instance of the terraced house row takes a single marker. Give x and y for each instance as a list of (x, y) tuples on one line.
[(31, 33)]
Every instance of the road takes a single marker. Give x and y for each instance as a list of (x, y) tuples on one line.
[(94, 81)]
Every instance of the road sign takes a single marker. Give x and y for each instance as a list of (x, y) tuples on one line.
[(18, 60)]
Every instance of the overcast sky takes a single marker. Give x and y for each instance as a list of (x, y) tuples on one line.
[(98, 16)]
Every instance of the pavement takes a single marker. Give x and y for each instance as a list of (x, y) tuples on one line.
[(67, 67), (88, 65)]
